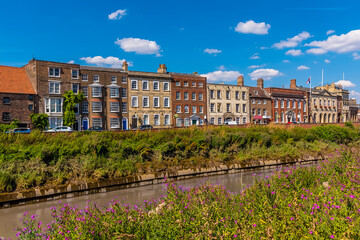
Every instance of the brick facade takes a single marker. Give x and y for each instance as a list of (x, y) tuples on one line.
[(189, 105)]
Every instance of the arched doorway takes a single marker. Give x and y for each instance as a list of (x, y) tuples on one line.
[(314, 118), (329, 118), (320, 118), (124, 124), (325, 119)]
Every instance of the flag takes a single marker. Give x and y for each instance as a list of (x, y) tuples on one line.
[(308, 81)]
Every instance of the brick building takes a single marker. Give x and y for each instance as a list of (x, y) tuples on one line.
[(260, 104), (17, 96), (228, 103), (188, 99), (288, 105), (149, 98), (101, 87)]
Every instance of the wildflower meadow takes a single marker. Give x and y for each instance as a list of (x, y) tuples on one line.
[(297, 202)]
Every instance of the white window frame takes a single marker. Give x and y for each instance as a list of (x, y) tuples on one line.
[(186, 83), (148, 101), (193, 96), (201, 96), (53, 70), (194, 109), (96, 78), (168, 101), (201, 109), (122, 92), (123, 79), (78, 88), (96, 95), (212, 107), (147, 82), (116, 92), (114, 122), (146, 122), (178, 95), (124, 107), (95, 108), (186, 95), (167, 116), (114, 107), (85, 107), (193, 84), (77, 73), (157, 123), (168, 86), (186, 109), (58, 122), (84, 77), (100, 122), (136, 84), (48, 105), (200, 85), (54, 83), (178, 108), (132, 101), (158, 101), (156, 83), (113, 79), (85, 91), (178, 83)]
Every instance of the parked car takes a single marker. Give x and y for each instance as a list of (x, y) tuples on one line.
[(60, 129), (145, 127), (231, 123), (294, 122), (95, 129), (19, 130)]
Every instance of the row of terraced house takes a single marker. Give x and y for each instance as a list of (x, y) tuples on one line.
[(120, 99)]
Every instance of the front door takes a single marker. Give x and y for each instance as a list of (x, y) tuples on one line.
[(124, 124), (194, 122), (85, 124)]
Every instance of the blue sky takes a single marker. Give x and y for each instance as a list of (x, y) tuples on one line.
[(277, 40)]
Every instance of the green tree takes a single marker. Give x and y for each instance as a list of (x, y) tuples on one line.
[(70, 100), (7, 127), (39, 121)]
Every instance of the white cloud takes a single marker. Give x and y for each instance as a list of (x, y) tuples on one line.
[(286, 61), (356, 56), (71, 61), (292, 42), (265, 73), (294, 52), (221, 68), (327, 61), (316, 51), (117, 14), (344, 43), (252, 27), (302, 67), (110, 61), (256, 66), (255, 56), (263, 48), (355, 94), (330, 32), (345, 83), (222, 76), (212, 51), (139, 46)]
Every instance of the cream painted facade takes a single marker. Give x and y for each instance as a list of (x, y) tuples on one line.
[(323, 107), (228, 103), (149, 99), (344, 111)]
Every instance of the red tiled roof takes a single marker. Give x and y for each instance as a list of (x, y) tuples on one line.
[(15, 80)]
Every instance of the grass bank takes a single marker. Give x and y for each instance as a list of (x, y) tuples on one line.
[(39, 159), (319, 202)]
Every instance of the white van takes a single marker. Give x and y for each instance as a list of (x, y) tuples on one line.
[(231, 123)]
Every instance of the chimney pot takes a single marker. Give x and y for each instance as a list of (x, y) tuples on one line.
[(125, 66), (162, 68), (260, 83), (240, 80), (293, 84)]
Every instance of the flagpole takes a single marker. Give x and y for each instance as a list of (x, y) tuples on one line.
[(322, 79), (310, 101)]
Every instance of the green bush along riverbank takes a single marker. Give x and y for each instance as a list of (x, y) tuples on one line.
[(39, 159)]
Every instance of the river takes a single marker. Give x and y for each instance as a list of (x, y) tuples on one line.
[(10, 217)]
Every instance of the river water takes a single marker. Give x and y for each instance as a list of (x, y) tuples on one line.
[(10, 217)]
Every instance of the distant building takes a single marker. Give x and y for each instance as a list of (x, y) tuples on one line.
[(150, 98), (354, 109), (188, 97), (18, 97), (288, 105), (228, 103), (322, 105), (260, 104), (343, 96)]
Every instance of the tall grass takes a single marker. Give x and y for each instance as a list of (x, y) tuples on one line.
[(39, 159)]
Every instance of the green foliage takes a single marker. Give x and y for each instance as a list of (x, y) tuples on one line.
[(70, 100), (7, 183), (349, 125), (313, 202), (39, 159), (39, 120), (7, 127)]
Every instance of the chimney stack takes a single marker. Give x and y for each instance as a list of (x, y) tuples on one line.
[(293, 84), (240, 80), (260, 83), (162, 68), (125, 66)]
